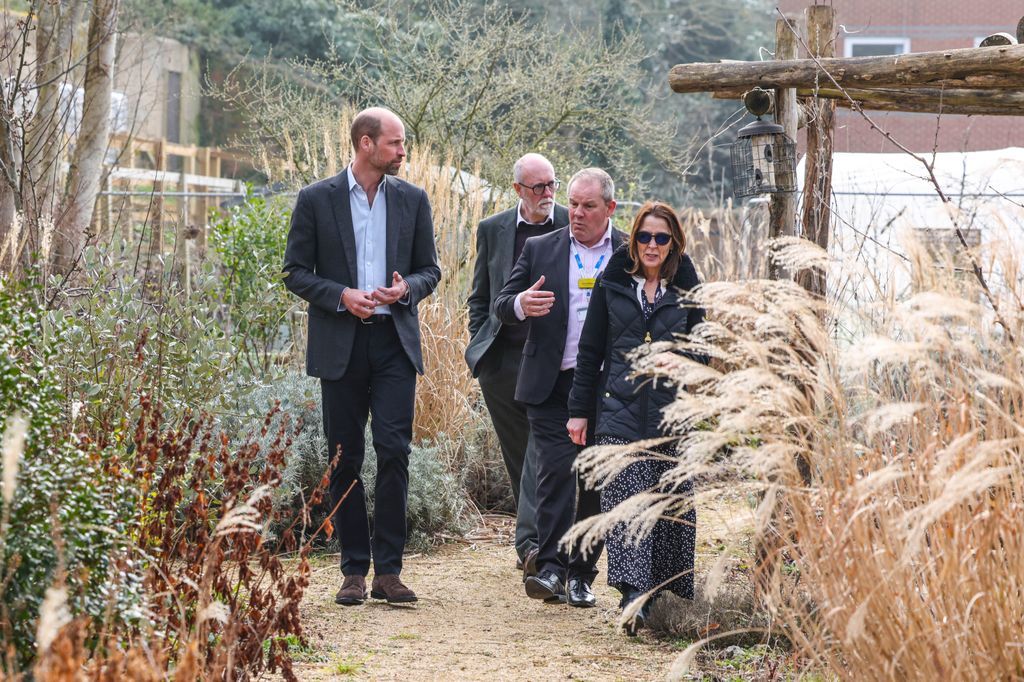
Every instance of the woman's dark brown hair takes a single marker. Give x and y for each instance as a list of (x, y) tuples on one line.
[(676, 247)]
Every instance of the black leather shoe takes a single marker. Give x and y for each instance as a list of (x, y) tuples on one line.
[(546, 586), (638, 621), (579, 594), (630, 595)]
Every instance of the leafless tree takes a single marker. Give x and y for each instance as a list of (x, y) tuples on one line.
[(52, 146)]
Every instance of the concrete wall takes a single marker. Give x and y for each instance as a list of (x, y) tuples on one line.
[(141, 74), (143, 71)]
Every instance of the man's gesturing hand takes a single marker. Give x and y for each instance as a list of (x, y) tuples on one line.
[(535, 302), (358, 302), (388, 295)]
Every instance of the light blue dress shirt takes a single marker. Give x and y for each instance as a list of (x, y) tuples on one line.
[(370, 226)]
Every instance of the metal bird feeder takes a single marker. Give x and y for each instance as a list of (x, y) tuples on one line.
[(763, 158)]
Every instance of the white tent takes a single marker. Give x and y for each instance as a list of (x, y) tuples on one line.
[(895, 190), (878, 200)]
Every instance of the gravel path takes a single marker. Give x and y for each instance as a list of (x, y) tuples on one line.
[(472, 622)]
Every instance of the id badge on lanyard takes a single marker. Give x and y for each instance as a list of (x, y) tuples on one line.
[(583, 282)]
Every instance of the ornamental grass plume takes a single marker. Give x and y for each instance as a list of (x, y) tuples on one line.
[(446, 392), (13, 448), (884, 433)]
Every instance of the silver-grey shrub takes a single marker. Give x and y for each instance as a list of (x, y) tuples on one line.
[(437, 502)]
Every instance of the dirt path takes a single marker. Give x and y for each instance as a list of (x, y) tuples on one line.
[(473, 622)]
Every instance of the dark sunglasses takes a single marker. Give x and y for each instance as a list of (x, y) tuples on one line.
[(661, 239)]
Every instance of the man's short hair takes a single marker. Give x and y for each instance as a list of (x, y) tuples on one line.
[(598, 175), (365, 123), (517, 170)]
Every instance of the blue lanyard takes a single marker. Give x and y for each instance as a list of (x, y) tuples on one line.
[(579, 262), (579, 265)]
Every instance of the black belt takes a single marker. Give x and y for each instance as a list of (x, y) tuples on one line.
[(376, 319)]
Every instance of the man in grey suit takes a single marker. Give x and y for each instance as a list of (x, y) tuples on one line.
[(550, 286), (495, 350), (361, 252)]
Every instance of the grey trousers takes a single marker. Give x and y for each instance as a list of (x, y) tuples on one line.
[(498, 373)]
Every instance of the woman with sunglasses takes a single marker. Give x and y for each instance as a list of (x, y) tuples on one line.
[(639, 299)]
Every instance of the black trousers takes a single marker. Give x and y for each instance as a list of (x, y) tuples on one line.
[(561, 497), (380, 382), (498, 374)]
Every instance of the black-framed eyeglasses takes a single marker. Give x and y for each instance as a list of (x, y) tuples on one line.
[(539, 188), (661, 238)]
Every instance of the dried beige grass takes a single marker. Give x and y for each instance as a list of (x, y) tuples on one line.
[(53, 615), (904, 525), (13, 448)]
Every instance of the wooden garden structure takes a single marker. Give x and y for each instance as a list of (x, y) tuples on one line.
[(980, 80), (169, 202)]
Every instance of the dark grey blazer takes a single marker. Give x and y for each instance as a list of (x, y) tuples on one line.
[(546, 255), (320, 261), (495, 244)]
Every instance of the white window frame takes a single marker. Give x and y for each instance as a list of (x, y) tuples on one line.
[(850, 41)]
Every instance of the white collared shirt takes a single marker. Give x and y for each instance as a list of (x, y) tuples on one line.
[(593, 259), (639, 283), (520, 219)]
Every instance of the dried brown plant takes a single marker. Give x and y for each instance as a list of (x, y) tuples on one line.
[(220, 602)]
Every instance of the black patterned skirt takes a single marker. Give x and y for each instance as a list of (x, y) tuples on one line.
[(665, 556)]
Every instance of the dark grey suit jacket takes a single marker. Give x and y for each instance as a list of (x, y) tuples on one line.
[(546, 255), (495, 244), (320, 261)]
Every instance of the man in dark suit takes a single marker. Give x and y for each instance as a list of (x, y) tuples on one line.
[(361, 252), (495, 350), (550, 285)]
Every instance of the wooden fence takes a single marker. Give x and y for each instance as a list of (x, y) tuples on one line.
[(159, 191)]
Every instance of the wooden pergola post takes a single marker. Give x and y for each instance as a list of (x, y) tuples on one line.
[(782, 206), (816, 216)]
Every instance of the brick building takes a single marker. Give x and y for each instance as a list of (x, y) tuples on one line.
[(878, 27)]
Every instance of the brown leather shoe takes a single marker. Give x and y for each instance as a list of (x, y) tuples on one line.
[(352, 592), (530, 564), (391, 588)]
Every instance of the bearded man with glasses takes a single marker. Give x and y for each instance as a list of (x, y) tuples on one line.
[(495, 350)]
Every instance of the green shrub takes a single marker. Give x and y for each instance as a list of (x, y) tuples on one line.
[(299, 397), (64, 512), (476, 455), (249, 243), (122, 332), (437, 502)]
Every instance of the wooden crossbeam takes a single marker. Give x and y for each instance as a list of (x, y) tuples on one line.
[(975, 67), (918, 100)]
